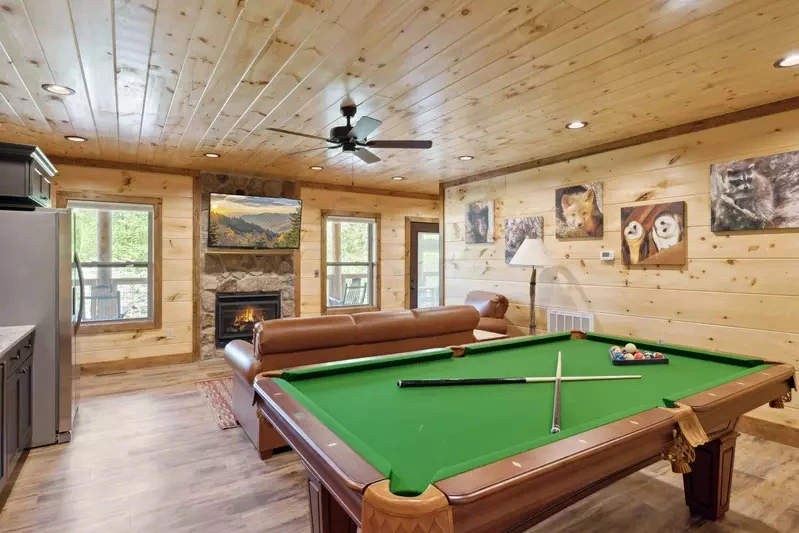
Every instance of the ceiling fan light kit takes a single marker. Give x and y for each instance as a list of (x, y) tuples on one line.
[(354, 138)]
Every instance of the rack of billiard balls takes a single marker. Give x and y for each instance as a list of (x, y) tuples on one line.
[(629, 354)]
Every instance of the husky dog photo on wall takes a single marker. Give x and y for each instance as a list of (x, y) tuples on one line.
[(578, 211), (758, 193), (518, 229), (653, 234), (479, 222)]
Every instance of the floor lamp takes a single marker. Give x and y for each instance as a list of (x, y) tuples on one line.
[(532, 253)]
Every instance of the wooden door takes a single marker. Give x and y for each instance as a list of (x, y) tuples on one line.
[(424, 283)]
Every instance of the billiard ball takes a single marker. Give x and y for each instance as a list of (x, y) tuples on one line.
[(638, 355), (630, 347)]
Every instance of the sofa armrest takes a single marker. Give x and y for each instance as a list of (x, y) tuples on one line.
[(240, 355)]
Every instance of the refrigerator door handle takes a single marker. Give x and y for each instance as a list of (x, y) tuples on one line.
[(79, 318)]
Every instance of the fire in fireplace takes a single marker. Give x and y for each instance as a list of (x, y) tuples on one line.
[(238, 312)]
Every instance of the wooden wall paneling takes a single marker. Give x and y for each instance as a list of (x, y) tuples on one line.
[(175, 300), (196, 213), (392, 210), (735, 293)]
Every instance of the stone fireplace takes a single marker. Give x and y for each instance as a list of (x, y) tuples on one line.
[(238, 312), (240, 273)]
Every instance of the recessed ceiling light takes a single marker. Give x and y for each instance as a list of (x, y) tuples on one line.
[(466, 157), (212, 155), (316, 167), (576, 125), (398, 178), (60, 90), (76, 138), (788, 61)]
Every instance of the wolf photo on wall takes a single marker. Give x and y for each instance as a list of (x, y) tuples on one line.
[(519, 229), (479, 222), (578, 211), (653, 234), (757, 193)]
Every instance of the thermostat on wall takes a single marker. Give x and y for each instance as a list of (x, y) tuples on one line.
[(606, 255)]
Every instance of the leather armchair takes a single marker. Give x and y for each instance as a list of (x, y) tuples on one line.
[(492, 308), (292, 342)]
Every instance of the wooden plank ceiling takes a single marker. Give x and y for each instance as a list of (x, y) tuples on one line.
[(160, 82)]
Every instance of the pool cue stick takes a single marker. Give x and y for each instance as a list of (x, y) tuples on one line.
[(556, 404), (450, 382)]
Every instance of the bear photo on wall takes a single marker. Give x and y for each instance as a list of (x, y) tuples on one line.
[(653, 234), (754, 194), (519, 229), (578, 211), (479, 222)]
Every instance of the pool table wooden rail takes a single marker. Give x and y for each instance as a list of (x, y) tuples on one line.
[(522, 490)]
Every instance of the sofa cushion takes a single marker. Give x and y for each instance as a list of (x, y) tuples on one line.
[(303, 333), (381, 326), (435, 321)]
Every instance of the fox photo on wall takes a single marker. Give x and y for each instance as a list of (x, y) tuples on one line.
[(579, 211), (653, 234), (479, 222), (759, 193)]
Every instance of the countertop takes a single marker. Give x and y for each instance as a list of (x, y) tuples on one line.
[(11, 335)]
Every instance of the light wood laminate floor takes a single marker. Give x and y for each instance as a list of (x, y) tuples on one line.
[(148, 457)]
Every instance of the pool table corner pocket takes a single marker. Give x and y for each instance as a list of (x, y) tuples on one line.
[(385, 512)]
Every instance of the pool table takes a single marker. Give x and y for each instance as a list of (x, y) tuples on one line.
[(482, 458)]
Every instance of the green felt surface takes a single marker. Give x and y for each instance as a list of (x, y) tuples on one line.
[(421, 435)]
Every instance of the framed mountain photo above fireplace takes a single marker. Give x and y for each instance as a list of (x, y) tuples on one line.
[(254, 222)]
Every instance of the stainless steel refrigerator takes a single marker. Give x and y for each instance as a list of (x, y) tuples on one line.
[(41, 284)]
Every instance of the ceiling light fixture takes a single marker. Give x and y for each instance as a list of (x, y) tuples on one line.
[(212, 155), (791, 60), (576, 125), (316, 167), (60, 90), (76, 138), (398, 178), (466, 157)]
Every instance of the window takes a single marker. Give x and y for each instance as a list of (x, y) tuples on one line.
[(117, 240), (350, 257)]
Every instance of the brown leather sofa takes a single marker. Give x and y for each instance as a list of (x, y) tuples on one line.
[(291, 342), (492, 308)]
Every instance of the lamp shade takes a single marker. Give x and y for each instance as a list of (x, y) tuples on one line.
[(532, 253)]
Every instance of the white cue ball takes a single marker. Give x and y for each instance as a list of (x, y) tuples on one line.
[(630, 347)]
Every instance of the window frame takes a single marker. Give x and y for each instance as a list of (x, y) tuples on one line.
[(345, 310), (114, 326)]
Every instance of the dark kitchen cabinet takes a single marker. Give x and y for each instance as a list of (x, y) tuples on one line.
[(25, 176), (16, 397)]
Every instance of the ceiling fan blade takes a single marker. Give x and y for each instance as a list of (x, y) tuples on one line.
[(298, 134), (365, 155), (400, 144), (364, 127), (315, 149)]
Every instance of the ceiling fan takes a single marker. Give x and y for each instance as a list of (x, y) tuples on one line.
[(353, 138)]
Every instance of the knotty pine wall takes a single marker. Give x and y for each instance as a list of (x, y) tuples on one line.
[(393, 211), (738, 293), (177, 234)]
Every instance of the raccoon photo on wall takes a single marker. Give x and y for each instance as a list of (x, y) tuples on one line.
[(578, 211), (755, 194)]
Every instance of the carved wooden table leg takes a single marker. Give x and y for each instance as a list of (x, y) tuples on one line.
[(707, 486)]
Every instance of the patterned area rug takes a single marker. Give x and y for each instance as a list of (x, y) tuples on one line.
[(218, 396)]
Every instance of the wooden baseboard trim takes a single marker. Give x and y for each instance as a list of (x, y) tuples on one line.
[(122, 365)]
